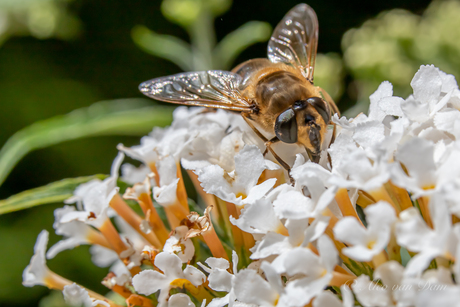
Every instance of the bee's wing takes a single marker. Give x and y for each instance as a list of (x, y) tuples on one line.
[(212, 88), (295, 40)]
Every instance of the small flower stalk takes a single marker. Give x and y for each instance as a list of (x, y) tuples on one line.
[(374, 223)]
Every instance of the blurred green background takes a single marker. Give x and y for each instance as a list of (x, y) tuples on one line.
[(60, 55)]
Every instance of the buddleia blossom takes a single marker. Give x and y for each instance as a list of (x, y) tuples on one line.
[(375, 222)]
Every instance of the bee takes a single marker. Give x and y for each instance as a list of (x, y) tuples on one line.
[(276, 96)]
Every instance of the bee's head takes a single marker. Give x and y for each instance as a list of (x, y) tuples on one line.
[(304, 123)]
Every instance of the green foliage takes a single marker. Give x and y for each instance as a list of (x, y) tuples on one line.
[(52, 193), (116, 117), (39, 18), (393, 45), (329, 74), (196, 17)]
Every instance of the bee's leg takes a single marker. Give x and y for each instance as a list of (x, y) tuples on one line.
[(268, 144), (331, 142), (333, 135), (247, 120)]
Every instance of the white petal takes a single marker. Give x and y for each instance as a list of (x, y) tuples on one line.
[(328, 253), (420, 262), (258, 218), (220, 280), (427, 84), (249, 165), (326, 298), (195, 276), (391, 273), (381, 214), (250, 288), (36, 272), (217, 263), (370, 294), (259, 191), (180, 300), (349, 230), (102, 257), (77, 296), (412, 231), (166, 195), (170, 264), (369, 133), (415, 110), (149, 281)]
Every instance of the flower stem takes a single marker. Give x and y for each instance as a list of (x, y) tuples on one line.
[(137, 300), (128, 214), (339, 279), (424, 208), (157, 224), (382, 194), (57, 282), (379, 259), (238, 240), (95, 237), (401, 195), (181, 192), (345, 205), (113, 237), (394, 250), (214, 244), (364, 199)]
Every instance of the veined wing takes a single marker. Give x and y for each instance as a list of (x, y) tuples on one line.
[(212, 89), (295, 40)]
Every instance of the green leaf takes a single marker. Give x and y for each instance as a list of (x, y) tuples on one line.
[(235, 42), (164, 46), (52, 193), (115, 117)]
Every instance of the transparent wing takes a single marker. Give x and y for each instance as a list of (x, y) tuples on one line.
[(213, 89), (295, 40)]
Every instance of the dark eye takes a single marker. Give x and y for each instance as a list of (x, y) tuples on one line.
[(321, 107), (286, 127), (309, 119), (300, 105)]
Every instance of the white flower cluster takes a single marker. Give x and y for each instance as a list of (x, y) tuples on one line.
[(377, 217)]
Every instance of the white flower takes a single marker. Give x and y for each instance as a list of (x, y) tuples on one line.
[(77, 233), (250, 288), (180, 245), (37, 272), (428, 85), (383, 103), (259, 218), (132, 175), (308, 198), (239, 186), (413, 233), (77, 296), (312, 272), (220, 279), (166, 194), (96, 199), (150, 281), (326, 298), (180, 300), (369, 242), (300, 234), (426, 175)]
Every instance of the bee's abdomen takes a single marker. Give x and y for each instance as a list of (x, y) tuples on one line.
[(278, 90)]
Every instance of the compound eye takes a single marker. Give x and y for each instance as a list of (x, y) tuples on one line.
[(321, 107), (286, 127)]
